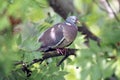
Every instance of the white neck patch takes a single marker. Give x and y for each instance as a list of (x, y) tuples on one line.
[(68, 23)]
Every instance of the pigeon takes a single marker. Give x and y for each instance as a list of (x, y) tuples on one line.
[(60, 35)]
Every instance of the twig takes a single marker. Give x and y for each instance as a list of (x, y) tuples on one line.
[(119, 5), (65, 57), (99, 6), (113, 11)]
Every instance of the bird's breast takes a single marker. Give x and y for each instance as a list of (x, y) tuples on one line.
[(70, 33)]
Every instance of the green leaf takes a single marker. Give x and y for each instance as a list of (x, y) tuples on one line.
[(4, 23), (94, 46)]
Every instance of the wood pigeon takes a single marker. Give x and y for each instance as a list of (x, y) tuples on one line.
[(60, 35)]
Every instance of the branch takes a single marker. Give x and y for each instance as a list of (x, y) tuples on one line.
[(46, 55), (63, 7), (54, 53), (113, 11), (50, 54), (119, 5), (89, 35), (99, 5)]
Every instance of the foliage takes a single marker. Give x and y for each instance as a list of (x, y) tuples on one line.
[(22, 21)]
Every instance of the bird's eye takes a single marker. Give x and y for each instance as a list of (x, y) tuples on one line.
[(73, 19)]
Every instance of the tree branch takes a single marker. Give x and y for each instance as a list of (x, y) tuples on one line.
[(119, 5), (46, 55), (99, 6), (113, 11), (89, 35), (50, 54)]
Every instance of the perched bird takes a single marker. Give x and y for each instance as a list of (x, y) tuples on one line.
[(59, 36)]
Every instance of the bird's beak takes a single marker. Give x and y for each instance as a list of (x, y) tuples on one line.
[(78, 21)]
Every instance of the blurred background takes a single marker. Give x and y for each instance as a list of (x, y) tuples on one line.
[(98, 39)]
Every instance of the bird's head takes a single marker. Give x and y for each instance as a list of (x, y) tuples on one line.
[(72, 20)]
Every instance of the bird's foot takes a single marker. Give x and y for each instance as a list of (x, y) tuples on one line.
[(61, 51)]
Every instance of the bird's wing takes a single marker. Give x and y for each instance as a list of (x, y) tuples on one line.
[(52, 37)]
